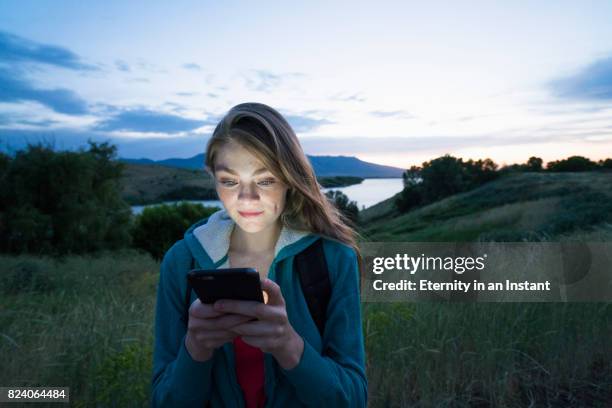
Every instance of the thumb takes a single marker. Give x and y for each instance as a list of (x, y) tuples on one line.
[(273, 291)]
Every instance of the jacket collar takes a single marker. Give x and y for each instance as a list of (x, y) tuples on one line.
[(209, 240)]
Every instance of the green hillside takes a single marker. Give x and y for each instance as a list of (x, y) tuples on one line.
[(522, 206), (152, 183)]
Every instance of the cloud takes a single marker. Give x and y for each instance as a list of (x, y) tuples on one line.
[(122, 66), (345, 97), (303, 123), (155, 148), (265, 81), (398, 114), (186, 93), (14, 49), (14, 89), (148, 121), (593, 82), (192, 66)]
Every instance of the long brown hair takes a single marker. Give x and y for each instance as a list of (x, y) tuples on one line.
[(268, 136)]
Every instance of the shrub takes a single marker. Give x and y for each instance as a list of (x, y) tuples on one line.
[(160, 226), (62, 202)]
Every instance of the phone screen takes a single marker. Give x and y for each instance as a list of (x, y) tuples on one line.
[(232, 283)]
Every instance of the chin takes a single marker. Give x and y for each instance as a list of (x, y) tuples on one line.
[(251, 227)]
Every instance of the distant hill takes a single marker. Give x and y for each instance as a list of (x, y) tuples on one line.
[(323, 166), (147, 183), (518, 207)]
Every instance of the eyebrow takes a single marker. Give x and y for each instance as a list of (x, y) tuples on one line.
[(221, 167)]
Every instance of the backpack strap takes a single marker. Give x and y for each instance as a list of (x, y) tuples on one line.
[(312, 270)]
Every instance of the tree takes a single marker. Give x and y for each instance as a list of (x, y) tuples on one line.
[(412, 177), (63, 202), (606, 164), (573, 163), (408, 198), (480, 171), (443, 177), (534, 164)]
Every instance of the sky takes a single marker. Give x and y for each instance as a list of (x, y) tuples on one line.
[(390, 82)]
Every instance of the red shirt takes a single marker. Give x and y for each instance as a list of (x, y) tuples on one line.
[(250, 373)]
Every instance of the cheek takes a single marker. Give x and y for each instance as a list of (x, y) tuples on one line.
[(280, 202), (276, 200), (224, 195)]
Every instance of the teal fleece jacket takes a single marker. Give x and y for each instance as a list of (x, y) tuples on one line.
[(331, 370)]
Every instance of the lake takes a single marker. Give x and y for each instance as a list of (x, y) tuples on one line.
[(367, 193)]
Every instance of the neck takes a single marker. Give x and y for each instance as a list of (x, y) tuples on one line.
[(252, 243)]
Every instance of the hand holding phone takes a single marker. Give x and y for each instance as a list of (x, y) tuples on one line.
[(209, 329)]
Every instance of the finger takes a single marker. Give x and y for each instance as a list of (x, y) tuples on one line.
[(258, 328), (275, 296), (244, 307), (221, 335), (203, 311), (263, 343), (227, 321)]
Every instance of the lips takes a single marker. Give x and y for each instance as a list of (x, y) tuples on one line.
[(250, 213)]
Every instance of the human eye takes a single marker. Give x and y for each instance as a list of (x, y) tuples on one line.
[(227, 182), (267, 182)]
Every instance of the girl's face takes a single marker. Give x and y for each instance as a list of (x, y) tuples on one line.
[(253, 197)]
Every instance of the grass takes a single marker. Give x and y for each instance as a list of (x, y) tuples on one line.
[(489, 355), (89, 326)]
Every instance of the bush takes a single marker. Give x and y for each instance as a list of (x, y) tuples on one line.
[(160, 226), (62, 202), (443, 177), (408, 198), (573, 163)]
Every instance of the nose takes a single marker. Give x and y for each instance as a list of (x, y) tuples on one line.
[(248, 192)]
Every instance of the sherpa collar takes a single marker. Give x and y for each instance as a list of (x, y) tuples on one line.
[(214, 236)]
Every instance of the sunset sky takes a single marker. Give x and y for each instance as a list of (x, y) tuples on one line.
[(393, 83)]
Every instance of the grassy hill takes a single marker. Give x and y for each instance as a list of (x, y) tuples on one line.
[(522, 206), (487, 354), (153, 183)]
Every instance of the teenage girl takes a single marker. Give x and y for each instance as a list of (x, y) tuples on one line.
[(273, 210)]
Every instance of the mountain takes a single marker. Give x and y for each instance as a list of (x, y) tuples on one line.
[(323, 166)]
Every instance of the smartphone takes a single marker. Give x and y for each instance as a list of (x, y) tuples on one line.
[(231, 283)]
